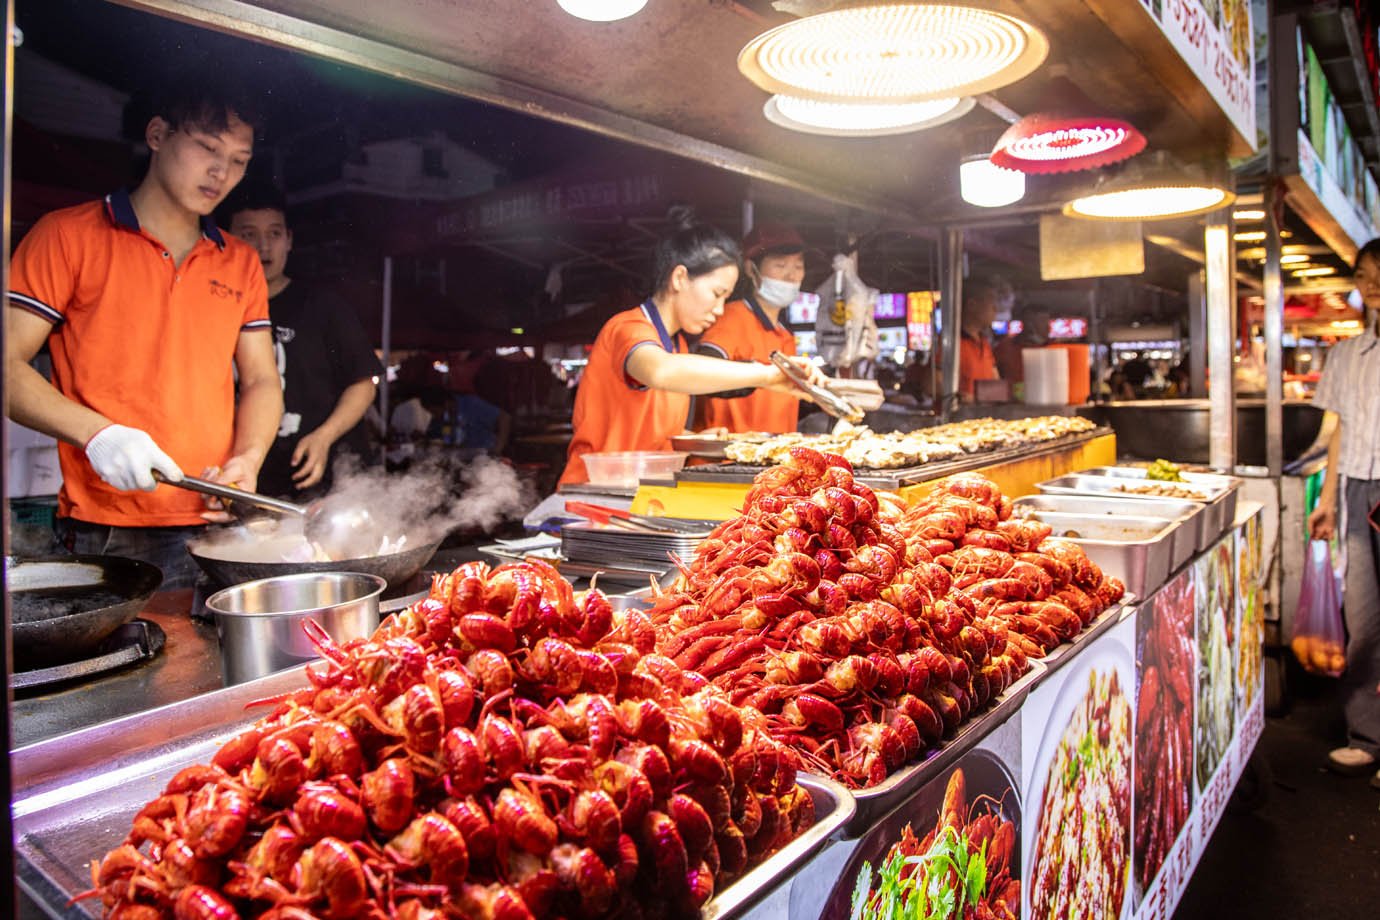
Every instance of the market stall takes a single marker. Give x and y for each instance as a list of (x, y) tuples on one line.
[(1153, 704), (976, 763)]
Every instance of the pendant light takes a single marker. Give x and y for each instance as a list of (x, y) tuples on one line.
[(601, 10), (862, 120), (893, 52), (1045, 143), (1158, 189), (986, 185)]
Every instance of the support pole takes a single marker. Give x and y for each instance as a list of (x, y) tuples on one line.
[(951, 305), (386, 339), (9, 906), (1197, 336), (1274, 334), (1219, 285)]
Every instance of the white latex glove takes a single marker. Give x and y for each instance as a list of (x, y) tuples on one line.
[(126, 458)]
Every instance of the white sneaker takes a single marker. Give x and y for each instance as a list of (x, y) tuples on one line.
[(1350, 761)]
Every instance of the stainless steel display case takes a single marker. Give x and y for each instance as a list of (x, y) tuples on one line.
[(1189, 529), (75, 796), (1219, 503), (1137, 550)]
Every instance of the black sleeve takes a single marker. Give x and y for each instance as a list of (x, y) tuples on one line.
[(713, 351)]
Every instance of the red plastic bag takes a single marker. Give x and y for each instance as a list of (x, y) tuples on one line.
[(1319, 640)]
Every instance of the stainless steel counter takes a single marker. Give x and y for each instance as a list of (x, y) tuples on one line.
[(189, 665)]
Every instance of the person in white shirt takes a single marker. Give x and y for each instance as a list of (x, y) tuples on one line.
[(1350, 392)]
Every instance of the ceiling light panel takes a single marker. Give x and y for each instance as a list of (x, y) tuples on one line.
[(602, 10), (862, 120), (1149, 203), (894, 52)]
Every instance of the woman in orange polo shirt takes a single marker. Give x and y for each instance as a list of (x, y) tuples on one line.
[(636, 389), (751, 329)]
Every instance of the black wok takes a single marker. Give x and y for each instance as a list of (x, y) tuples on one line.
[(63, 607), (221, 567)]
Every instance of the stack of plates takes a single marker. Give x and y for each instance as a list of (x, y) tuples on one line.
[(624, 554)]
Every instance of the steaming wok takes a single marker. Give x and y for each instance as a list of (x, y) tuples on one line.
[(63, 607), (254, 557)]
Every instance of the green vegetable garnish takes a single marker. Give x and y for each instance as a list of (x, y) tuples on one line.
[(951, 878), (1164, 471)]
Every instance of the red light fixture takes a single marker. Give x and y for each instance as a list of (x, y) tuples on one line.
[(1044, 143)]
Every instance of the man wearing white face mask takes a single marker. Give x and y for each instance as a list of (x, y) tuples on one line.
[(752, 328)]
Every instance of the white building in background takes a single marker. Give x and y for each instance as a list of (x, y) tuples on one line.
[(428, 168)]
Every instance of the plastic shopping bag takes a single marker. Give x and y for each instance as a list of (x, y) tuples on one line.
[(1319, 640)]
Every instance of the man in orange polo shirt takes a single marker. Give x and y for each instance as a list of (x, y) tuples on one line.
[(149, 312), (976, 360), (751, 329)]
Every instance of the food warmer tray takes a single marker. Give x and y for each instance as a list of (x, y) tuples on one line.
[(1214, 515), (1067, 651), (75, 796), (876, 801), (896, 478), (1222, 490), (1188, 538), (1137, 550), (699, 446), (834, 809)]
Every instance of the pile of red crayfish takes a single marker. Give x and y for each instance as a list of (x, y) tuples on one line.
[(866, 631), (1044, 590), (501, 749)]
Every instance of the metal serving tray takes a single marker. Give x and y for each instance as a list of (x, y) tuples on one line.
[(1222, 490), (1118, 517), (1065, 652), (834, 809), (1213, 515), (1137, 550), (76, 795), (1189, 538), (876, 801)]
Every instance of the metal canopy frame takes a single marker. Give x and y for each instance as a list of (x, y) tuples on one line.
[(247, 20)]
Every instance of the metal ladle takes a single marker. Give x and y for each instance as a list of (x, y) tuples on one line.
[(342, 530)]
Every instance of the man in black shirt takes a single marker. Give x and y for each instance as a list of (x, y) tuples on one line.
[(328, 367)]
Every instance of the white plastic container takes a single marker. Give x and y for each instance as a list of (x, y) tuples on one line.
[(1046, 376), (623, 469)]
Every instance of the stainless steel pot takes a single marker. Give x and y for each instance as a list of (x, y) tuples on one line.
[(261, 623)]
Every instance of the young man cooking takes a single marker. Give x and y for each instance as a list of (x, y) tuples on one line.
[(328, 366), (148, 310), (752, 328)]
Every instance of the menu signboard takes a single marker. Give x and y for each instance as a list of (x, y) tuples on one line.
[(1215, 39)]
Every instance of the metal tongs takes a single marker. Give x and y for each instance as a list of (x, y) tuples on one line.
[(601, 514), (826, 399)]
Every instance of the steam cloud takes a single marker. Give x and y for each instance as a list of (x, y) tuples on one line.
[(423, 504), (433, 498)]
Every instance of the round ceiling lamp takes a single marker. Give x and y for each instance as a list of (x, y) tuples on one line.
[(1043, 143), (896, 52), (862, 119), (1161, 190), (987, 185), (601, 10)]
